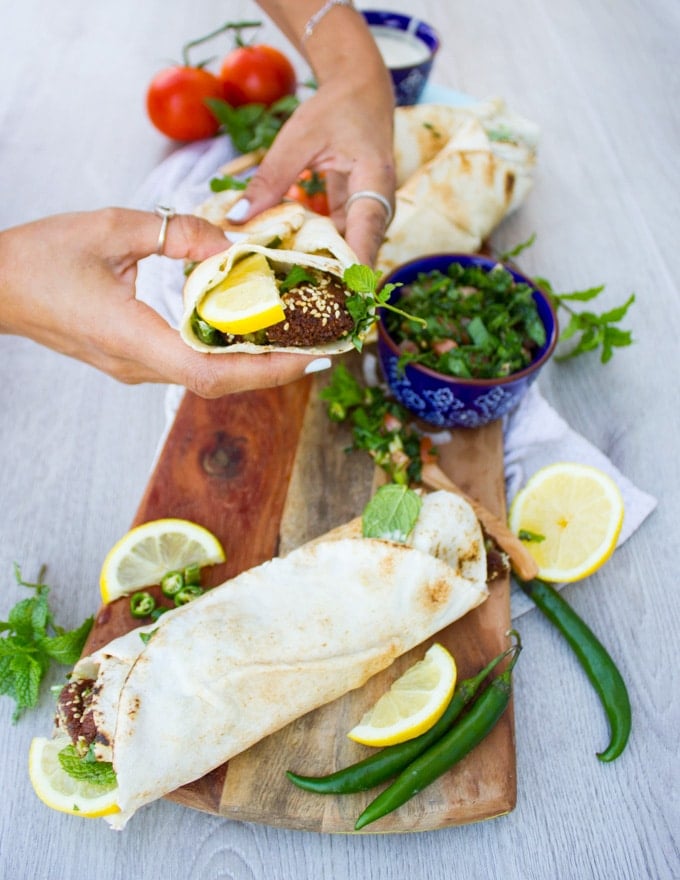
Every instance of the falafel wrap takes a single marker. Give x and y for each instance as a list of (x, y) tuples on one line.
[(211, 678), (280, 288)]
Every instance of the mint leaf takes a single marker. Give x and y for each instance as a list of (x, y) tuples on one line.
[(31, 642), (81, 768), (391, 513), (67, 647), (360, 278), (27, 674)]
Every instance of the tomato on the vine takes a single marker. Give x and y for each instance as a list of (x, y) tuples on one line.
[(256, 75), (175, 102), (310, 190)]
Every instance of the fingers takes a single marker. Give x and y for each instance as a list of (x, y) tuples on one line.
[(123, 233), (149, 350)]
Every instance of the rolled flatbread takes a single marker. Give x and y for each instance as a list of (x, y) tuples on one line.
[(285, 236), (273, 643), (453, 202)]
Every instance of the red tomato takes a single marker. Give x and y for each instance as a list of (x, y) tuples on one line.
[(256, 75), (175, 102), (310, 191)]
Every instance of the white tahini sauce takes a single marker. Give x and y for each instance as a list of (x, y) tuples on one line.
[(399, 48)]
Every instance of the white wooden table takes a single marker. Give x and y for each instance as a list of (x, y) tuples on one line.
[(603, 82)]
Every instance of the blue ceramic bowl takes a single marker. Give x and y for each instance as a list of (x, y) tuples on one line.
[(447, 401), (408, 46)]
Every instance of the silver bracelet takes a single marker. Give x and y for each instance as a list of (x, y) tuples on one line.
[(325, 9)]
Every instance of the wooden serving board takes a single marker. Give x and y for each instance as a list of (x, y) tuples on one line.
[(267, 471)]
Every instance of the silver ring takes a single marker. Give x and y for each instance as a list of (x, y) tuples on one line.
[(377, 197), (166, 214)]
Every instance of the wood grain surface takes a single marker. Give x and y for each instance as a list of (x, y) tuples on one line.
[(265, 463)]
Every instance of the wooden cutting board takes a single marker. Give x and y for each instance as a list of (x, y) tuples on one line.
[(267, 471)]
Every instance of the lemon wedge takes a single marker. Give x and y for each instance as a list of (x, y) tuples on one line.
[(246, 300), (414, 702), (574, 514), (145, 554), (62, 792)]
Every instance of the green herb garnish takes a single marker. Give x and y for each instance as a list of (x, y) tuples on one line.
[(32, 642), (87, 769), (296, 276), (590, 329), (391, 513), (252, 126), (534, 537), (381, 426), (367, 299), (227, 181)]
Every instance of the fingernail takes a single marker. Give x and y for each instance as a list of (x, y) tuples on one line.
[(239, 210), (318, 365)]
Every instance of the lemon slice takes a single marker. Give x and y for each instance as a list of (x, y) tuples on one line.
[(62, 792), (577, 510), (143, 556), (414, 702), (246, 300)]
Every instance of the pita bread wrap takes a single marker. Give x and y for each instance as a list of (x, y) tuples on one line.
[(286, 235), (273, 643), (455, 199)]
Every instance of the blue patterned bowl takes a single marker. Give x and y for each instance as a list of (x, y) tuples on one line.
[(447, 401), (408, 46)]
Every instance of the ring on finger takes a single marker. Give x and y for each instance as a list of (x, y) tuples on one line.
[(377, 197), (166, 214)]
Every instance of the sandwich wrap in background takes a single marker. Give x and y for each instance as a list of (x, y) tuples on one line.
[(250, 656), (460, 172), (286, 236)]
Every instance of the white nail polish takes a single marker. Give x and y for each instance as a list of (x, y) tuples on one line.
[(239, 210), (318, 365)]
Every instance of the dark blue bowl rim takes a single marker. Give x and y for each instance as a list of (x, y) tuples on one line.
[(487, 262), (424, 31)]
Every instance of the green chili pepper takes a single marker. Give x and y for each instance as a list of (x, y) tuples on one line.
[(188, 594), (172, 583), (595, 660), (390, 761), (159, 611), (192, 575), (480, 719), (142, 604)]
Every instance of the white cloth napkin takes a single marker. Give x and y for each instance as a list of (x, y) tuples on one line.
[(534, 434)]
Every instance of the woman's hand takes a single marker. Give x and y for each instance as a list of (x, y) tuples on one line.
[(68, 282), (344, 129)]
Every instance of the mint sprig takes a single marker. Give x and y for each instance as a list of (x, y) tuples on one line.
[(367, 299), (32, 642), (392, 513), (85, 769)]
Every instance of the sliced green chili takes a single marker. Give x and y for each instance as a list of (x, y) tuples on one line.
[(468, 732), (142, 604), (192, 575), (172, 583), (595, 660), (388, 762), (188, 594)]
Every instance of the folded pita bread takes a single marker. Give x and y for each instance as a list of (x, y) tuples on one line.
[(273, 643), (423, 130), (453, 201), (286, 235)]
